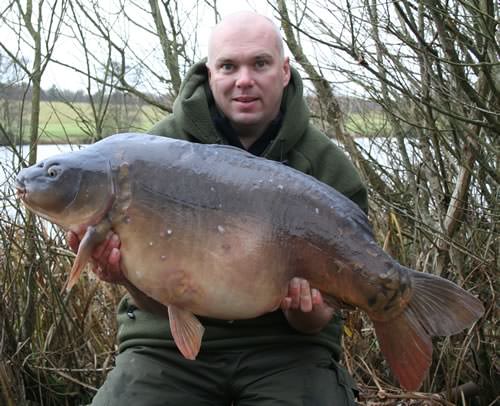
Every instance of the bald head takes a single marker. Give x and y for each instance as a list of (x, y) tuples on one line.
[(245, 25), (247, 72)]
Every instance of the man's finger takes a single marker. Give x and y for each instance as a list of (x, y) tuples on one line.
[(100, 250), (73, 240), (112, 243), (317, 298), (305, 296), (111, 254), (294, 293), (285, 303), (114, 256)]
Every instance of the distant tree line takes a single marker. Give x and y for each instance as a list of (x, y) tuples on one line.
[(23, 91)]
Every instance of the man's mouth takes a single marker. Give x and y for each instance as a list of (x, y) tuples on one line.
[(245, 99)]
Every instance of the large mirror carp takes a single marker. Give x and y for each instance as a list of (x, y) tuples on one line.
[(213, 231)]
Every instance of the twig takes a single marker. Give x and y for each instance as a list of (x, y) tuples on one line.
[(467, 390)]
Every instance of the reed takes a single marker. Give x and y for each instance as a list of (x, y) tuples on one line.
[(54, 349)]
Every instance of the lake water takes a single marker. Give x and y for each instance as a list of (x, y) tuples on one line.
[(10, 162), (379, 149)]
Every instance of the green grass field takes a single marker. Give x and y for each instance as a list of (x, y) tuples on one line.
[(371, 124), (76, 123), (62, 123)]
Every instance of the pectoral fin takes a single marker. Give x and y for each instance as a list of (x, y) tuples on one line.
[(186, 330), (93, 236)]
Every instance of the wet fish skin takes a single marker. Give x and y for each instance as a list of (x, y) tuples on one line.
[(213, 231)]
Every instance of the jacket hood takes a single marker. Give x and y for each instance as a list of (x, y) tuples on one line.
[(192, 112)]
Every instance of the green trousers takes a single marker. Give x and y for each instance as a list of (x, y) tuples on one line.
[(267, 376)]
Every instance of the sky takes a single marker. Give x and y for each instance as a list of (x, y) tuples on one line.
[(146, 69), (65, 50)]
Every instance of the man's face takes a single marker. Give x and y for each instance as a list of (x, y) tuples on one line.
[(247, 74)]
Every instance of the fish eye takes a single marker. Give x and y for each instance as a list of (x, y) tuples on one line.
[(53, 171)]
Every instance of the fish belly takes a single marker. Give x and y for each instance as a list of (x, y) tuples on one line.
[(210, 264)]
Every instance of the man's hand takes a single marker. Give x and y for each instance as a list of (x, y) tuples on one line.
[(106, 257), (304, 307)]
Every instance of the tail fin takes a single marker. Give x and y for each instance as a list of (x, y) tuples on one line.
[(438, 307)]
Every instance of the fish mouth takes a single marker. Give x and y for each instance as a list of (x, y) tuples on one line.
[(21, 191)]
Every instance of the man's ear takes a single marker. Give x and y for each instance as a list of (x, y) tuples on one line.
[(208, 71), (286, 71)]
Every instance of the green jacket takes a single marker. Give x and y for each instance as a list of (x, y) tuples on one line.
[(302, 147)]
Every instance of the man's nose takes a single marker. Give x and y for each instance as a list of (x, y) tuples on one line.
[(245, 78)]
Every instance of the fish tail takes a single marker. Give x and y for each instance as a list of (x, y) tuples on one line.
[(437, 307)]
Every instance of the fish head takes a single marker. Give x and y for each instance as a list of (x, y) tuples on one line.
[(70, 190)]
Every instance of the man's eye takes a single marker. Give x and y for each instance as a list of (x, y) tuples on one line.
[(227, 67), (260, 63)]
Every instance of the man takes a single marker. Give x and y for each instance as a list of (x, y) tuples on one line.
[(248, 96)]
